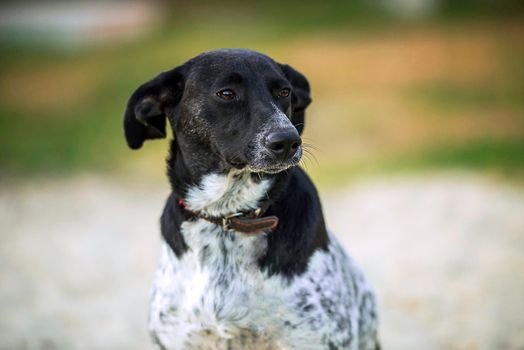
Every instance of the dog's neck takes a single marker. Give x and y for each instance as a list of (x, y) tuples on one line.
[(218, 193), (289, 195)]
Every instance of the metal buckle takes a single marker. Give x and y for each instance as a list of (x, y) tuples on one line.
[(227, 220)]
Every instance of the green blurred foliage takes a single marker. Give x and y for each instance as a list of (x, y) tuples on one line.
[(469, 8), (61, 111)]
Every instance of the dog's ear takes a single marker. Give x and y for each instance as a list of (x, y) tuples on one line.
[(300, 97), (147, 109)]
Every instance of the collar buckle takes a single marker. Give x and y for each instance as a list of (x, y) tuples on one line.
[(226, 221)]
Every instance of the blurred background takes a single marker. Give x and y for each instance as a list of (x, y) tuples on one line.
[(418, 133)]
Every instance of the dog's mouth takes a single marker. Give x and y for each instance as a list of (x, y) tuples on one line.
[(271, 166), (269, 170)]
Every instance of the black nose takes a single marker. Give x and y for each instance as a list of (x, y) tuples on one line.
[(283, 144)]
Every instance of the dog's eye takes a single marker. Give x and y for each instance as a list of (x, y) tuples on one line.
[(226, 94), (284, 93)]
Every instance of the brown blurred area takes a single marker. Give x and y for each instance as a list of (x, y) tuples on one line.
[(416, 132)]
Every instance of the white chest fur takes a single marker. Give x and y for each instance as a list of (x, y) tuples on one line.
[(226, 194)]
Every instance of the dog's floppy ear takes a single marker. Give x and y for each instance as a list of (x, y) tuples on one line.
[(300, 97), (147, 109)]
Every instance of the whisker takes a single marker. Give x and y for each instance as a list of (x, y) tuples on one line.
[(309, 141), (305, 158), (309, 145), (303, 165), (311, 148), (312, 156), (306, 161), (309, 154)]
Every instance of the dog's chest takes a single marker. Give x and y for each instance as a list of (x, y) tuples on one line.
[(215, 296), (215, 291)]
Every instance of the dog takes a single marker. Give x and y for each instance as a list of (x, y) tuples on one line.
[(246, 260)]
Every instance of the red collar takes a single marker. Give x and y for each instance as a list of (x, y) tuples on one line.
[(248, 222)]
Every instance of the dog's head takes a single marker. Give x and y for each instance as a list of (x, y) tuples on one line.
[(227, 108)]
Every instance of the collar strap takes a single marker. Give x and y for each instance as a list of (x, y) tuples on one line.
[(249, 222)]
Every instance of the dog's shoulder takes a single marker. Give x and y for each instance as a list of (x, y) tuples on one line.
[(334, 300)]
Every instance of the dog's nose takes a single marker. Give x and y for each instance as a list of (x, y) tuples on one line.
[(283, 144)]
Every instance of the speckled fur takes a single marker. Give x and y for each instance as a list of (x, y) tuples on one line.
[(215, 296)]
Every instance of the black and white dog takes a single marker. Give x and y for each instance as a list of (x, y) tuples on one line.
[(247, 262)]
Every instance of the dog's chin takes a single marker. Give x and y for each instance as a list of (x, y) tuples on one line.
[(274, 168), (265, 169), (267, 166), (268, 170)]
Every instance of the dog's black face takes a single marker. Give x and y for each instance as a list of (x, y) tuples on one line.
[(228, 109)]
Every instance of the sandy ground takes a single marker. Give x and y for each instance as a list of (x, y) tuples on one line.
[(445, 254)]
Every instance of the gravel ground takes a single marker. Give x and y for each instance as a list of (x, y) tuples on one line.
[(444, 253)]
